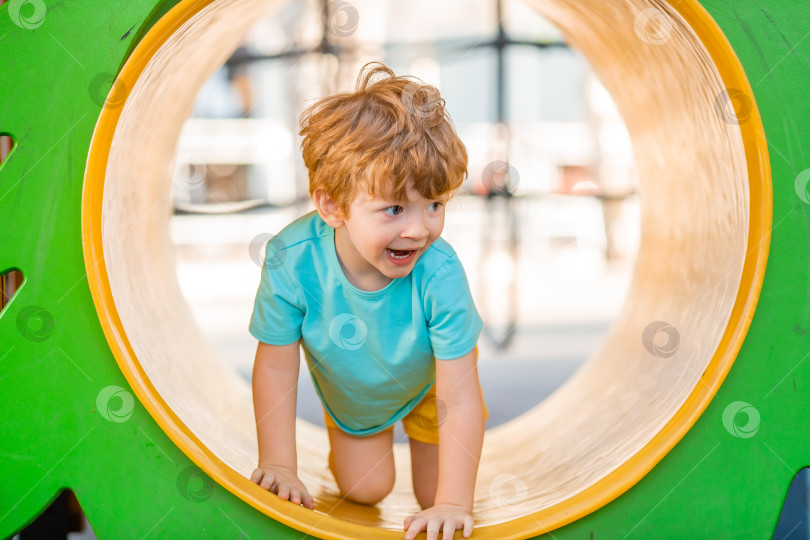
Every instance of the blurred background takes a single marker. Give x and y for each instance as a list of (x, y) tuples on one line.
[(546, 225)]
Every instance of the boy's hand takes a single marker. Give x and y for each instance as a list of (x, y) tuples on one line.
[(445, 517), (283, 482)]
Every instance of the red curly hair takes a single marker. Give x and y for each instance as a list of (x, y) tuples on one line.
[(388, 132)]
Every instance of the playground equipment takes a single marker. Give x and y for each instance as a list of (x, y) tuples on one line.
[(107, 387)]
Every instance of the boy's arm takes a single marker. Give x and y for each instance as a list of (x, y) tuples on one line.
[(275, 385), (461, 436)]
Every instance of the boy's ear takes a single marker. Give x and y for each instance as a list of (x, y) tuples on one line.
[(327, 208)]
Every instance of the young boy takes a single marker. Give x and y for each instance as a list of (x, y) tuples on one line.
[(380, 304)]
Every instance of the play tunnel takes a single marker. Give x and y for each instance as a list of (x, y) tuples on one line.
[(108, 388)]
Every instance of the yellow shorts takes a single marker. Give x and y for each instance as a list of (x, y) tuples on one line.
[(422, 423)]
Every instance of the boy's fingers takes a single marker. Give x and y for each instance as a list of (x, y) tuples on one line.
[(267, 481), (449, 529), (256, 477), (415, 528), (433, 527), (283, 492), (468, 526), (308, 501)]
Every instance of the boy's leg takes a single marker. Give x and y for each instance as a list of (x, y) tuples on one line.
[(363, 466), (422, 427), (425, 471)]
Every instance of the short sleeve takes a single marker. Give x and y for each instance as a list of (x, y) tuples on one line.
[(453, 321), (277, 312)]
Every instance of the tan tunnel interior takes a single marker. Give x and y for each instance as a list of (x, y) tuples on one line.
[(695, 212)]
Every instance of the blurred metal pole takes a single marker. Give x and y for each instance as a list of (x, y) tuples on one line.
[(499, 199)]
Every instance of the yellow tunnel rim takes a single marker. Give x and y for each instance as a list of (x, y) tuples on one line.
[(585, 502)]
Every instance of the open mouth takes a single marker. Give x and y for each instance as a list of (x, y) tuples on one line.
[(397, 255)]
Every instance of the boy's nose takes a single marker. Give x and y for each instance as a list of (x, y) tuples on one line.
[(416, 228)]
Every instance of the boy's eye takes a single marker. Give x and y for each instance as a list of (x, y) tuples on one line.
[(396, 209)]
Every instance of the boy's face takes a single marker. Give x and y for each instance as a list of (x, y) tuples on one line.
[(365, 242)]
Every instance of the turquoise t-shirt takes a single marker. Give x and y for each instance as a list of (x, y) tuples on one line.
[(371, 354)]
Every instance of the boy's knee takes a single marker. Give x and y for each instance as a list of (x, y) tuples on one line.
[(370, 490)]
